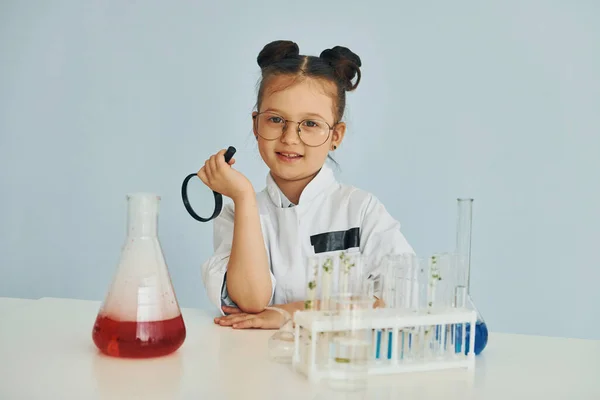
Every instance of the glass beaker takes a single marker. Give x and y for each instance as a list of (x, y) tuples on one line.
[(140, 316), (463, 277)]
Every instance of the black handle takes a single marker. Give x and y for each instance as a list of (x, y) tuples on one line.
[(218, 196)]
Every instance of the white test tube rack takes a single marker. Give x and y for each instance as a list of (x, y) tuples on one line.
[(310, 325)]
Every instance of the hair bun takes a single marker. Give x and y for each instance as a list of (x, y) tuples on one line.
[(277, 51), (345, 63)]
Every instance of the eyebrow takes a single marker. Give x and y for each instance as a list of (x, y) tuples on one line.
[(310, 114)]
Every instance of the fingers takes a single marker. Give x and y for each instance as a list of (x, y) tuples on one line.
[(220, 159), (249, 323), (224, 319), (378, 303), (202, 175), (208, 170), (213, 163), (266, 320), (234, 319), (221, 153)]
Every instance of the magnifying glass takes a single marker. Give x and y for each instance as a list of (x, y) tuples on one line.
[(218, 196)]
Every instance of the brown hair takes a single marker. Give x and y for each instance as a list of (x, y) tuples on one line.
[(337, 65)]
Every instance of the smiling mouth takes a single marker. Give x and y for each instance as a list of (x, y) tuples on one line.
[(291, 156)]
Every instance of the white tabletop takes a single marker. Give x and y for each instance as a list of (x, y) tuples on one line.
[(46, 352), (11, 303)]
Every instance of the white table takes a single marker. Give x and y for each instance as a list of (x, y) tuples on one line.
[(46, 352), (11, 303)]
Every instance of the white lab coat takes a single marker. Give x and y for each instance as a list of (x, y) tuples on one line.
[(325, 206)]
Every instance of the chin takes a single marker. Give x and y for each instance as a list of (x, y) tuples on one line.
[(293, 173)]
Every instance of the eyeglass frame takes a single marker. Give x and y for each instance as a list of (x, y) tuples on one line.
[(298, 131)]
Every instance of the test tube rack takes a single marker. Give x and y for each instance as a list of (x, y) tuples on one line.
[(421, 340)]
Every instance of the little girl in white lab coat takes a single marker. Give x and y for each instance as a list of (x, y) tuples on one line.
[(262, 240)]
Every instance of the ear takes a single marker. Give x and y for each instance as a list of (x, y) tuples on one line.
[(337, 135)]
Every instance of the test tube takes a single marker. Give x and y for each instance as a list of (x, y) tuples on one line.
[(312, 283), (418, 335), (352, 342), (423, 285), (387, 278), (443, 265), (350, 273), (319, 286), (326, 267), (405, 266), (399, 292), (383, 344)]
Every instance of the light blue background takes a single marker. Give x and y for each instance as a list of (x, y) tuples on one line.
[(499, 101)]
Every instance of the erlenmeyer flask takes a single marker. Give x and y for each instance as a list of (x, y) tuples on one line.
[(140, 316), (463, 277)]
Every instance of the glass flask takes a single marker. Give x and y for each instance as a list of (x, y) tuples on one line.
[(462, 296), (281, 343), (140, 316)]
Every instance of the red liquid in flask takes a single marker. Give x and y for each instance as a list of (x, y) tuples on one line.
[(131, 339)]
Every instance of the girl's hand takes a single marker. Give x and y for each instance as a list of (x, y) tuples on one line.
[(268, 319), (220, 177), (378, 303)]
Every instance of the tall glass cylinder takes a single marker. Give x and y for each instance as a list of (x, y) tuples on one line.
[(463, 251), (462, 295)]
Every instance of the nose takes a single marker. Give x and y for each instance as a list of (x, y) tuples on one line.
[(290, 134)]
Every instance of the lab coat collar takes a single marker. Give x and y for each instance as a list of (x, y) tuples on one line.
[(320, 182)]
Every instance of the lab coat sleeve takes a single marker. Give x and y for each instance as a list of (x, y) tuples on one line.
[(214, 270), (380, 236)]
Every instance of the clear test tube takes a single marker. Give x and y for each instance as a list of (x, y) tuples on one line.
[(423, 293), (327, 285), (442, 279), (352, 344), (408, 299), (406, 281), (390, 265), (415, 299), (313, 283), (443, 266), (383, 336), (349, 272), (403, 285)]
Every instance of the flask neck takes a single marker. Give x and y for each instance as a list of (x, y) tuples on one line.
[(463, 243), (142, 215)]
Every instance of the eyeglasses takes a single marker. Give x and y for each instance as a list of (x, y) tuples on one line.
[(313, 132)]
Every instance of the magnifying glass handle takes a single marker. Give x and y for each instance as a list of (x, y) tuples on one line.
[(218, 196)]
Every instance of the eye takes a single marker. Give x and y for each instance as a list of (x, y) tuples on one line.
[(275, 120), (312, 124)]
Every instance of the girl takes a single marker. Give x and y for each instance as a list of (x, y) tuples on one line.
[(261, 241)]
